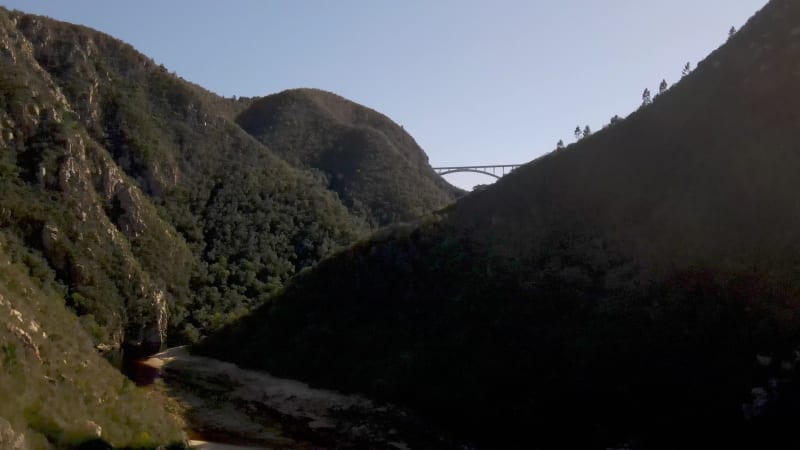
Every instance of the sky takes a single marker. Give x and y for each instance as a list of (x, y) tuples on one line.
[(475, 82)]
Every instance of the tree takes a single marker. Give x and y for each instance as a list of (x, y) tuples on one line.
[(587, 131), (578, 133), (560, 144), (731, 32), (686, 69), (646, 97), (615, 120), (663, 87)]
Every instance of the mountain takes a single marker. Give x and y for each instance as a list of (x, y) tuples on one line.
[(153, 216), (152, 208), (156, 208), (374, 166), (638, 289)]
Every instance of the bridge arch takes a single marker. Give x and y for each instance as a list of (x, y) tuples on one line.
[(493, 170), (483, 172)]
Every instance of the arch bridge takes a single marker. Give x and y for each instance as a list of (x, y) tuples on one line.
[(492, 170)]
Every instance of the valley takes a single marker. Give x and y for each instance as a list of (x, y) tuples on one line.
[(221, 403), (180, 269)]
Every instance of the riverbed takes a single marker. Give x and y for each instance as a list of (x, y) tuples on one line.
[(225, 407)]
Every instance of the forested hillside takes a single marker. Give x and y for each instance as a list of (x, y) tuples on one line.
[(135, 202), (57, 391), (635, 290), (375, 167), (152, 205), (152, 208)]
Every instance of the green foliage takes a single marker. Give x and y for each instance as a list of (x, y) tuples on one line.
[(62, 390), (483, 343), (370, 162), (9, 358), (122, 186), (148, 189), (620, 293)]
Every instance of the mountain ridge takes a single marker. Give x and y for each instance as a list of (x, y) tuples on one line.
[(146, 209), (617, 293), (170, 143), (368, 160)]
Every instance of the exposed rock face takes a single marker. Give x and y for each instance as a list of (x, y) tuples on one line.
[(105, 214), (147, 333), (155, 210), (131, 222), (10, 439), (56, 391), (94, 429), (24, 334)]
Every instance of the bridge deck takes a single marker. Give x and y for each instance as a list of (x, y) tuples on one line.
[(487, 169)]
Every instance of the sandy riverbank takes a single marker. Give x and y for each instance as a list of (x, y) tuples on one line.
[(245, 410)]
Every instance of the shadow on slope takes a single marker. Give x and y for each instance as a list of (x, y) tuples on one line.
[(638, 289)]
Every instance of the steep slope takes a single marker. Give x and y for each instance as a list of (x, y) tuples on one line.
[(56, 391), (638, 289), (375, 167), (156, 211)]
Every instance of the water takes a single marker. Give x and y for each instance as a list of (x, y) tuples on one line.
[(140, 372)]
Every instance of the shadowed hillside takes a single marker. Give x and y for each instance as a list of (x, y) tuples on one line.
[(637, 289), (375, 167)]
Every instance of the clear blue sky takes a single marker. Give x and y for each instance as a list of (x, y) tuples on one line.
[(473, 81)]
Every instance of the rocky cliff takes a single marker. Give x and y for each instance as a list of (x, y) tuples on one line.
[(159, 213)]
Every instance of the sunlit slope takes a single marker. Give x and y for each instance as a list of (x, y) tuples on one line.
[(55, 390), (373, 164), (162, 217)]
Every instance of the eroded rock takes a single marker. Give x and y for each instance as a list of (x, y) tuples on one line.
[(11, 439)]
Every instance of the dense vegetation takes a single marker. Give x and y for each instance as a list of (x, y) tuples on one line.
[(157, 211), (512, 351), (57, 391), (374, 166), (231, 221), (152, 216), (636, 289)]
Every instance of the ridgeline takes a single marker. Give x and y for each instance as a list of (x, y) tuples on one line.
[(141, 210), (638, 289)]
